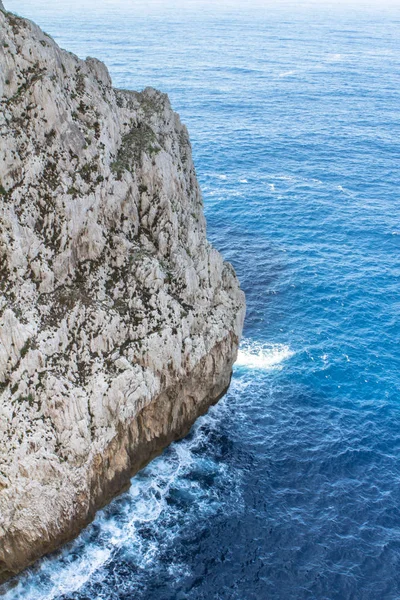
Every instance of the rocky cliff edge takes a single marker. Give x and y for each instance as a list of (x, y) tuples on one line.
[(119, 323)]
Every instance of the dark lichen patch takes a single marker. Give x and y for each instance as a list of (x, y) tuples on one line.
[(26, 347), (151, 104), (140, 140), (5, 275), (51, 175), (90, 173), (29, 399), (73, 191), (3, 191), (88, 170), (79, 82), (50, 136), (97, 129), (17, 23)]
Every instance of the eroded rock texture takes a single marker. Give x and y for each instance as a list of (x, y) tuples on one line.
[(119, 323)]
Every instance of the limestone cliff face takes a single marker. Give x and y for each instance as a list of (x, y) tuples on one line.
[(119, 323)]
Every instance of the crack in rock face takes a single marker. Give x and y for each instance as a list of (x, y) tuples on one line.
[(119, 322)]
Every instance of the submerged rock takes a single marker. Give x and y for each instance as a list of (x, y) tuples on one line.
[(119, 323)]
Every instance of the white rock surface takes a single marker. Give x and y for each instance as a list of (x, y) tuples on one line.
[(119, 323)]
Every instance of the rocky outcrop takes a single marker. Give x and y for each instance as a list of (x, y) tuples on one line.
[(119, 323)]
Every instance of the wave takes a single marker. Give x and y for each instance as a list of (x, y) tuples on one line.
[(345, 191), (334, 57), (253, 355), (186, 484), (287, 73)]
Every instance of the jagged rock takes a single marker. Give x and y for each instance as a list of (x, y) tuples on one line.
[(119, 323)]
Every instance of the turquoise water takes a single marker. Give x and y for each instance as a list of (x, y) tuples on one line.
[(290, 487)]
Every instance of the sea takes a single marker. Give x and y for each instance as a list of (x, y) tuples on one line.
[(289, 488)]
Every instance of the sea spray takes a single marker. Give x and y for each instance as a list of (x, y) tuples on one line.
[(254, 355)]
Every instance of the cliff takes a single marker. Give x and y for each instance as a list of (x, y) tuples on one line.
[(119, 323)]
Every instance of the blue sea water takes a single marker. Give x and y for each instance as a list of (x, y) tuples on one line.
[(289, 488)]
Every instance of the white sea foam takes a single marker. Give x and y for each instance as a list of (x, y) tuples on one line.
[(286, 177), (256, 356), (334, 57), (74, 576), (345, 191), (146, 506), (59, 577), (297, 179)]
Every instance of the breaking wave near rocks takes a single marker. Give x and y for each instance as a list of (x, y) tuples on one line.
[(144, 532), (141, 531), (253, 355)]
